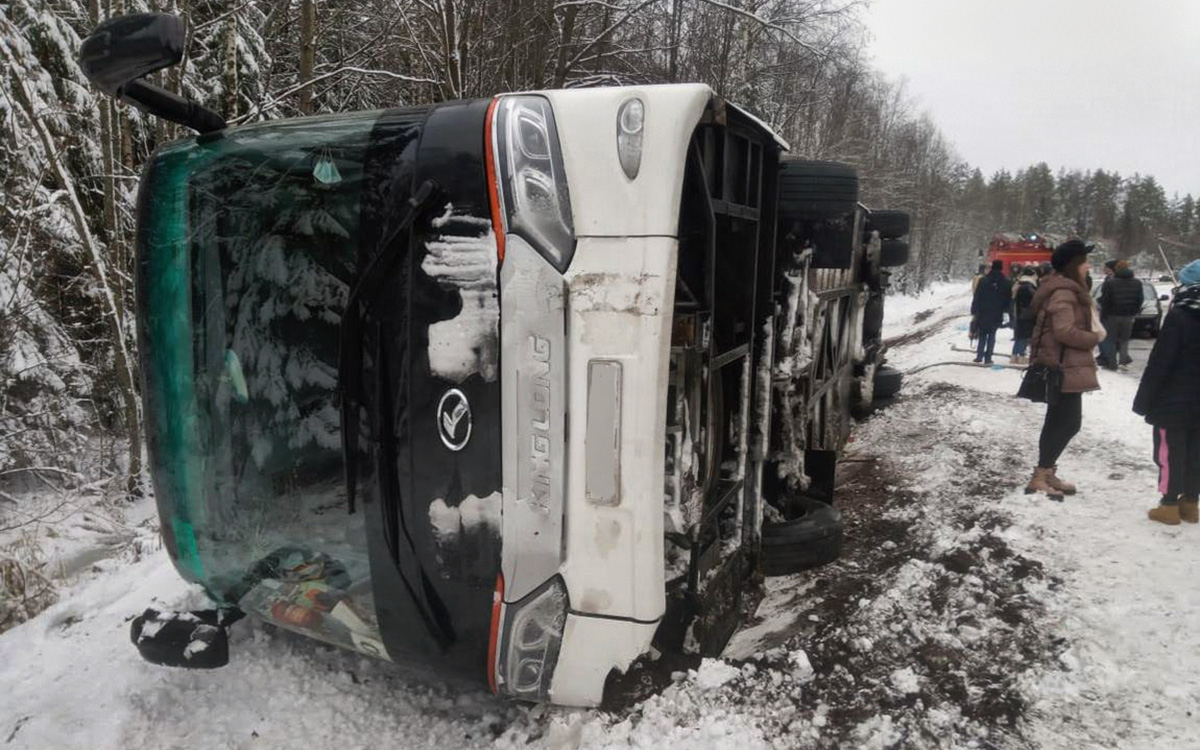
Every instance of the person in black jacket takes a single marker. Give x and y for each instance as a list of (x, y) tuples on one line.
[(1107, 344), (1023, 315), (1121, 300), (1169, 398), (992, 296)]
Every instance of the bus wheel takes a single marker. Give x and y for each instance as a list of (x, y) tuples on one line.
[(817, 189), (812, 537), (893, 253), (818, 203), (891, 225), (888, 381)]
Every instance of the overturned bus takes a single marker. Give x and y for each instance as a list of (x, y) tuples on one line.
[(507, 389)]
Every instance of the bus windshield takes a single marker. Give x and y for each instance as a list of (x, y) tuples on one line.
[(248, 246)]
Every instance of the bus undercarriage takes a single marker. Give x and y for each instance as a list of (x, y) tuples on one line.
[(776, 341)]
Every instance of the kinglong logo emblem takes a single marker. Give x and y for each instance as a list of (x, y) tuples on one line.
[(539, 425), (454, 419)]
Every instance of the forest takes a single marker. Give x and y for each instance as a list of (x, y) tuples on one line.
[(70, 160)]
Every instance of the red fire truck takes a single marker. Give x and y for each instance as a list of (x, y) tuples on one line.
[(1021, 249)]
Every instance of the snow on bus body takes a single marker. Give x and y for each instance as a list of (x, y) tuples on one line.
[(594, 342), (451, 521), (463, 258)]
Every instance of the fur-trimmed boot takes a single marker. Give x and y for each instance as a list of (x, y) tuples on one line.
[(1064, 487), (1041, 483), (1189, 510), (1168, 514)]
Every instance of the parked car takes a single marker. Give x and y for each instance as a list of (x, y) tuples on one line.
[(501, 389), (1149, 320)]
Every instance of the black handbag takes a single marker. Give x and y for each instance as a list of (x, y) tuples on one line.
[(1042, 384)]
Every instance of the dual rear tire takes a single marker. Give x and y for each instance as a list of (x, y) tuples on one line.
[(818, 204), (812, 536)]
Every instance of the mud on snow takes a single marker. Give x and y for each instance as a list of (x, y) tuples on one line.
[(919, 636)]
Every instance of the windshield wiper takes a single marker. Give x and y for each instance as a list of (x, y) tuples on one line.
[(396, 528), (362, 294), (397, 537)]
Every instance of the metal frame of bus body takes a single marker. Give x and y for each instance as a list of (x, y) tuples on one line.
[(734, 161)]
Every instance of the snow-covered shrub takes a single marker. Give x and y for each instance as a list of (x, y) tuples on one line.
[(44, 386)]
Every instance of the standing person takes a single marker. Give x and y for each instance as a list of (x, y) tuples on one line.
[(1065, 332), (1106, 346), (973, 330), (1014, 276), (979, 274), (988, 306), (1121, 300), (1169, 398), (1023, 315)]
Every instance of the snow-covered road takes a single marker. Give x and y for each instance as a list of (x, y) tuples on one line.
[(967, 614)]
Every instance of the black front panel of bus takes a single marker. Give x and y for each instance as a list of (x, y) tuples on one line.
[(431, 473)]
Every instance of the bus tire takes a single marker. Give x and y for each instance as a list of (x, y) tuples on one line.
[(812, 538), (817, 189), (888, 381), (893, 253), (891, 225)]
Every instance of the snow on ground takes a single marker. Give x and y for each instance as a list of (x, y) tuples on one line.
[(50, 537), (962, 613), (903, 314), (71, 679), (1128, 676)]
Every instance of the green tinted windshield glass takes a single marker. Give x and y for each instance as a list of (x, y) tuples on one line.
[(248, 248)]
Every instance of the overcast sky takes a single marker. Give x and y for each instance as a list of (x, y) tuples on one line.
[(1113, 84)]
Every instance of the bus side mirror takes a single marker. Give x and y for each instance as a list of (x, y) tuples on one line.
[(127, 48), (124, 50), (191, 640)]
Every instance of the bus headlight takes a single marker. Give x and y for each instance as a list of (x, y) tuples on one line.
[(533, 186), (534, 636)]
